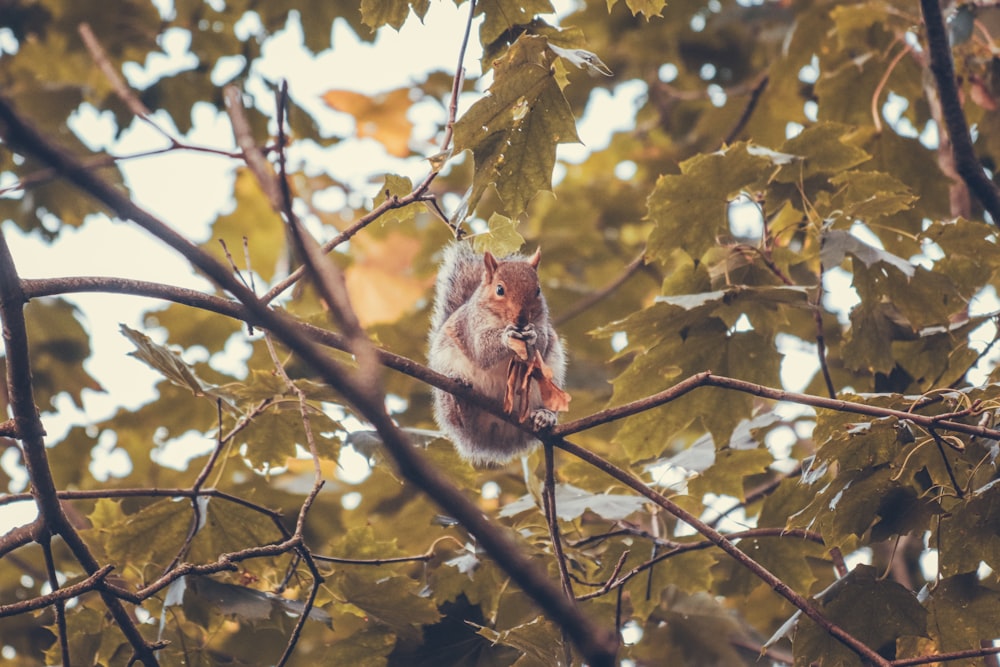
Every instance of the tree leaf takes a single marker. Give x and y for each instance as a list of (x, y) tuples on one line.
[(875, 610), (502, 238), (250, 604), (513, 131), (689, 209), (59, 348), (571, 503), (837, 244), (382, 117), (377, 13)]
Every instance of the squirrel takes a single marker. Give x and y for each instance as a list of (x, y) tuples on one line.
[(480, 304)]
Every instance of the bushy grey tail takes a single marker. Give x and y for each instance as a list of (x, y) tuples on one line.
[(460, 274)]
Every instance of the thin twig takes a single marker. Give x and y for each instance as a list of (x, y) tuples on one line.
[(591, 299), (680, 548), (876, 116), (122, 90), (947, 657), (552, 519), (817, 311), (58, 604), (748, 109), (60, 594)]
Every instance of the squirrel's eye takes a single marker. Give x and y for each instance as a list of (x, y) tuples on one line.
[(538, 291), (500, 290)]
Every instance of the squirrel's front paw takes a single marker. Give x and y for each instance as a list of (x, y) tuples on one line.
[(527, 334), (543, 419)]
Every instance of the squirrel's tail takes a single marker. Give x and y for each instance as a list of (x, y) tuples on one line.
[(458, 277)]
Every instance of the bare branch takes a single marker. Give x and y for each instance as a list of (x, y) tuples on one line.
[(583, 305), (943, 69), (59, 595)]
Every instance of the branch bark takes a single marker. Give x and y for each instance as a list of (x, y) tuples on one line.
[(943, 69)]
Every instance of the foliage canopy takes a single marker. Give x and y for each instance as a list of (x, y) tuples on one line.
[(798, 205)]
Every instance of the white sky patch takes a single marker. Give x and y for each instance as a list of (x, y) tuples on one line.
[(606, 114)]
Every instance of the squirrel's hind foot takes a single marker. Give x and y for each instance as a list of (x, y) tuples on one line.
[(543, 419)]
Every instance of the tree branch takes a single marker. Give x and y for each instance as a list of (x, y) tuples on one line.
[(59, 595), (943, 69)]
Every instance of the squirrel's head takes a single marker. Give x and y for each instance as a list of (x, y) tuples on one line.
[(512, 290)]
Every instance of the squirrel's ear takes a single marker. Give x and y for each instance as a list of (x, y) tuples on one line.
[(534, 259), (491, 265)]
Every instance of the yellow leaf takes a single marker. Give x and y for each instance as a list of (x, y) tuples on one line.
[(381, 117)]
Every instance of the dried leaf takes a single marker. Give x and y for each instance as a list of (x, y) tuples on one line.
[(520, 374), (520, 348), (553, 398), (514, 369)]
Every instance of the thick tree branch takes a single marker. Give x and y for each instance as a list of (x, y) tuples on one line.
[(943, 69)]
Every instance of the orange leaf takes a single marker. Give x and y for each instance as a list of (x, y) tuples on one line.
[(553, 397), (381, 117), (520, 348), (381, 282)]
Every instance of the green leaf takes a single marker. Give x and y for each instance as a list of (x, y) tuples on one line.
[(728, 473), (874, 610), (503, 15), (377, 13), (871, 194), (59, 346), (501, 240), (649, 8), (513, 131), (227, 527), (166, 361), (970, 534), (254, 222), (826, 149), (395, 187), (962, 611), (687, 629), (367, 646), (393, 600), (274, 434), (689, 209), (538, 641), (151, 537)]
